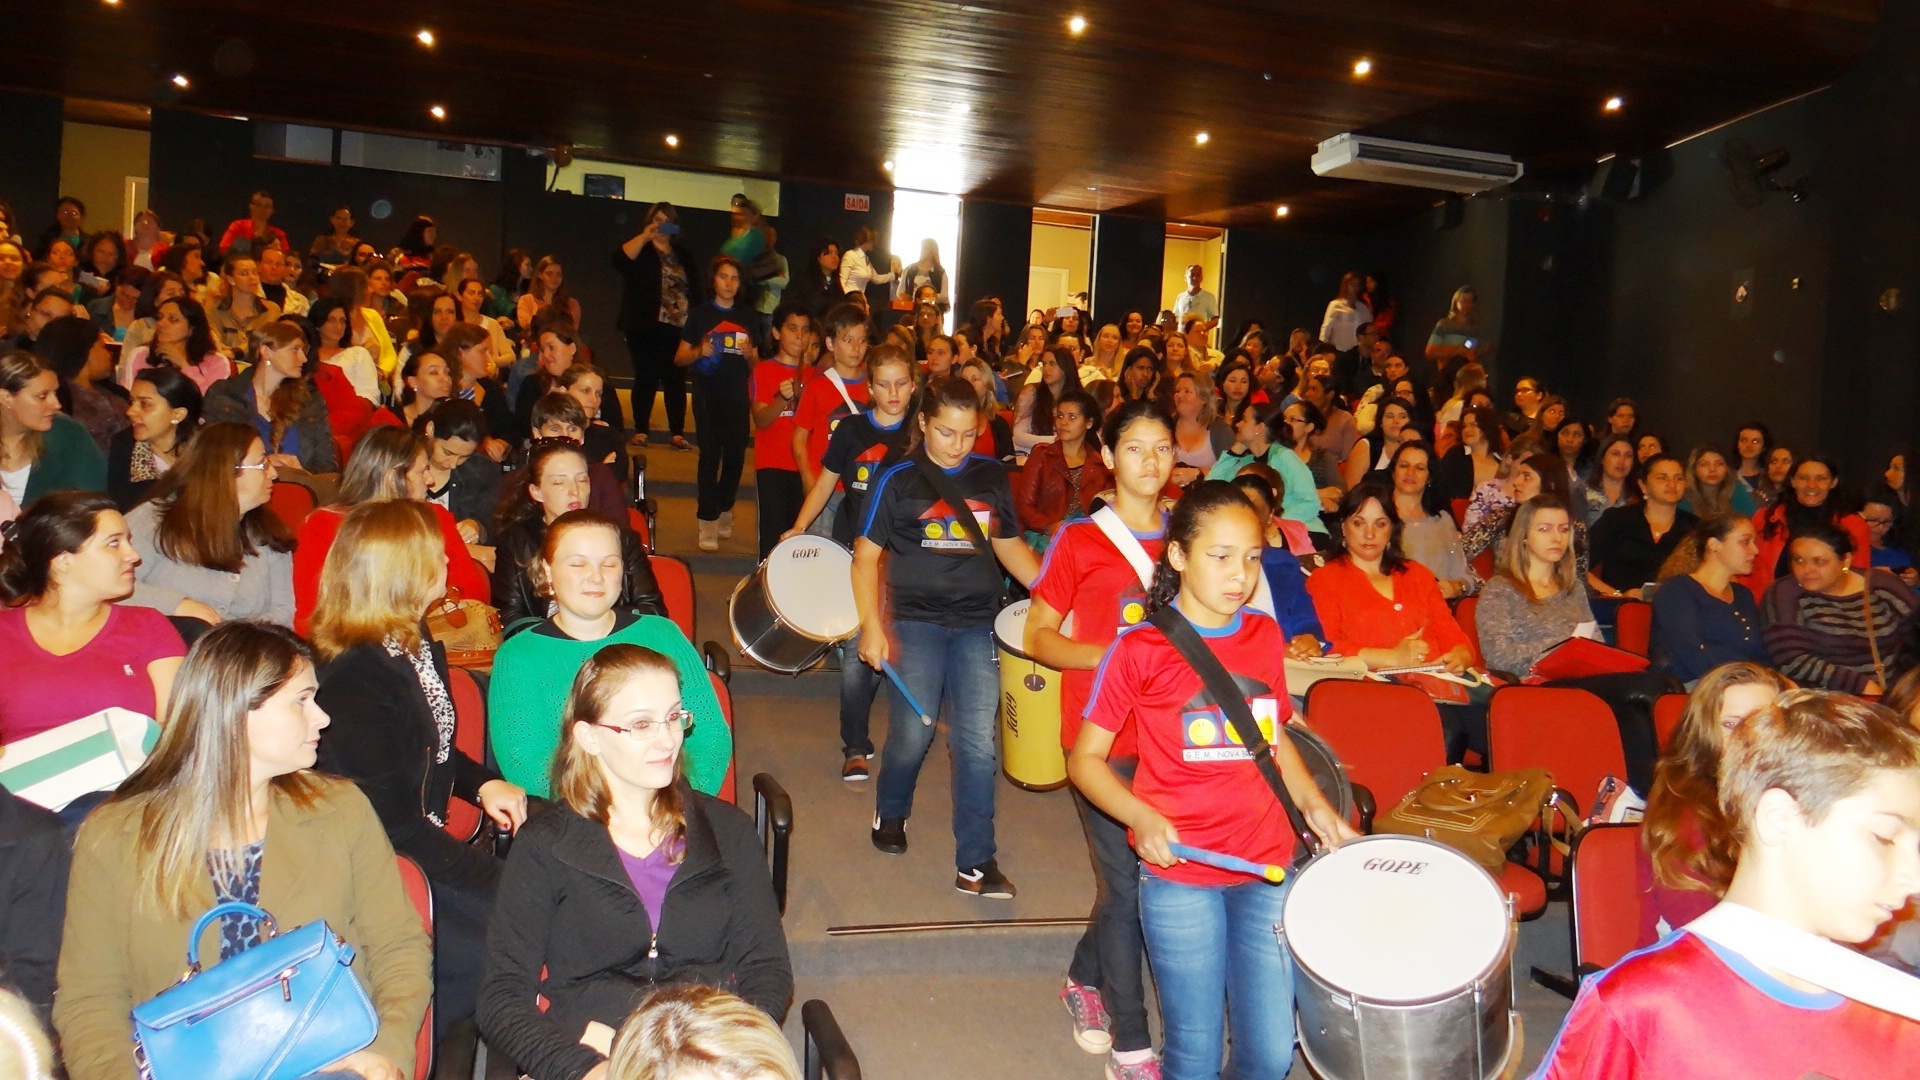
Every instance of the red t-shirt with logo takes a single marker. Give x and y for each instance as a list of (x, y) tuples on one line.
[(1085, 576), (1193, 769), (773, 444), (821, 408), (1684, 1009)]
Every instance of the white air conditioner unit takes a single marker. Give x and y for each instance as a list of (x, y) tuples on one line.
[(1386, 161)]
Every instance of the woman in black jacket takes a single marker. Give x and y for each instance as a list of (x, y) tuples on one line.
[(556, 479), (630, 880), (385, 685), (277, 398), (662, 283)]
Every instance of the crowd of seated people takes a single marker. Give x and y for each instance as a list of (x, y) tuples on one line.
[(455, 440)]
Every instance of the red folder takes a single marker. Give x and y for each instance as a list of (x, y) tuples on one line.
[(1577, 657)]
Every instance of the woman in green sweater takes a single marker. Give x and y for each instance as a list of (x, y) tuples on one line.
[(1253, 441), (581, 566), (41, 448)]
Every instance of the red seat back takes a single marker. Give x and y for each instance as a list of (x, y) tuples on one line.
[(729, 791), (1569, 733), (676, 588), (1387, 735), (1606, 895), (1463, 613), (1483, 565), (1633, 626), (1668, 711), (291, 503), (1459, 508), (637, 521), (470, 738), (414, 880)]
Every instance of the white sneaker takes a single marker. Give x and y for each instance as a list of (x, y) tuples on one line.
[(726, 524), (709, 535)]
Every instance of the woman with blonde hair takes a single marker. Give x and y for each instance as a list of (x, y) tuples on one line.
[(229, 807), (630, 880), (684, 1032), (386, 683)]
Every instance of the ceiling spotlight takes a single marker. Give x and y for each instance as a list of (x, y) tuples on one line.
[(1201, 139), (439, 112), (1363, 67), (112, 3), (1614, 104), (963, 108), (887, 165), (180, 81), (1077, 24), (1282, 210), (425, 37), (673, 140)]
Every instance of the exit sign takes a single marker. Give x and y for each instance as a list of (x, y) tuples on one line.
[(860, 203)]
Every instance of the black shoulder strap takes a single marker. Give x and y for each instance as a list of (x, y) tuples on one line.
[(943, 487), (1227, 694)]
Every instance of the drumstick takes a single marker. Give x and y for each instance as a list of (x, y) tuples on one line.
[(900, 684), (1275, 874)]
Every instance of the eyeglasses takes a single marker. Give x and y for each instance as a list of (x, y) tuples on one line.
[(640, 729), (1876, 521), (262, 465)]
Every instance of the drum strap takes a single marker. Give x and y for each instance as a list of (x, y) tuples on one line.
[(1227, 694), (1766, 940), (1126, 543), (943, 487), (840, 384)]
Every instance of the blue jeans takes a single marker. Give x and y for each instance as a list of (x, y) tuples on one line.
[(957, 667), (1213, 949), (858, 684)]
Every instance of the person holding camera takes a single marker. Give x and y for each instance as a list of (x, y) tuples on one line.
[(661, 285)]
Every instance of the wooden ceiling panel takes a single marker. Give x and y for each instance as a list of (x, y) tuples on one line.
[(988, 97)]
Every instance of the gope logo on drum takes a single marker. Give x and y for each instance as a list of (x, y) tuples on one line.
[(1393, 866)]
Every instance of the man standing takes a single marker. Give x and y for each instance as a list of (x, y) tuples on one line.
[(1197, 301), (273, 283), (1527, 396)]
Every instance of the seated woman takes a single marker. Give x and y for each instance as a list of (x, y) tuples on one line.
[(553, 483), (1537, 601), (996, 435), (1647, 445), (334, 322), (207, 535), (459, 477), (1199, 435), (605, 444), (1377, 604), (469, 357), (1427, 532), (632, 879), (684, 1030), (1712, 488), (164, 414), (1833, 627), (1809, 498), (579, 568), (278, 401), (78, 353), (425, 381), (71, 649), (41, 448), (1283, 444), (1703, 617), (385, 685), (181, 340), (1371, 454), (1491, 512), (559, 416), (1475, 458), (229, 807), (1286, 580), (1033, 409), (1061, 478), (554, 350), (1613, 480), (1687, 849), (388, 463), (1630, 542)]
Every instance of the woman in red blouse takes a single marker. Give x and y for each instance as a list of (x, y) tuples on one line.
[(1377, 604)]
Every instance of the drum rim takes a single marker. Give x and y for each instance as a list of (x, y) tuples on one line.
[(1016, 651), (1502, 960), (773, 602), (740, 641)]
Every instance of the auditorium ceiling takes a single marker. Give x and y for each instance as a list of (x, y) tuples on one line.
[(995, 98)]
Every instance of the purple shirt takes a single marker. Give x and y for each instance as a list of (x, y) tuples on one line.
[(43, 691), (650, 875)]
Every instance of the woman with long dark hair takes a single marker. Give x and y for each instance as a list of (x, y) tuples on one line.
[(1059, 373), (163, 415), (1810, 497), (182, 338)]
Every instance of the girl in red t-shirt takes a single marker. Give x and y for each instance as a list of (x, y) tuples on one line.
[(1209, 932)]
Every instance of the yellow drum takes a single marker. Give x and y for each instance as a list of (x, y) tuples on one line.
[(1030, 751)]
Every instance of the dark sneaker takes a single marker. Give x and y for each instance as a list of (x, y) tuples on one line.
[(983, 880), (890, 835), (854, 769), (1092, 1028)]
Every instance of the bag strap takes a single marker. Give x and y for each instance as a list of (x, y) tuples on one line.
[(231, 907), (1126, 543), (1873, 642), (943, 487), (840, 384), (1227, 694)]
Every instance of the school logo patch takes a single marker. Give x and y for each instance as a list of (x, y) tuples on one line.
[(1207, 734), (941, 530)]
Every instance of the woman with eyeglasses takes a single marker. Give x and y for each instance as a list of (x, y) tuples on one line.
[(632, 879)]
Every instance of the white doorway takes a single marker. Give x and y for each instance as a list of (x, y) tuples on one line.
[(1046, 287), (923, 215)]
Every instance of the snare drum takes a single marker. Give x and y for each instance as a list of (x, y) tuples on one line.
[(796, 605), (1402, 951), (1029, 708)]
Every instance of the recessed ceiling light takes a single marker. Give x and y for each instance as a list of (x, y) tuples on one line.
[(963, 108), (673, 140), (1614, 104), (439, 112), (180, 81), (1077, 24), (1363, 67), (1201, 139), (425, 37), (112, 3), (1282, 210)]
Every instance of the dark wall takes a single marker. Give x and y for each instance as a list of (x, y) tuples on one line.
[(30, 167), (1425, 259), (1127, 253), (1282, 280), (996, 247)]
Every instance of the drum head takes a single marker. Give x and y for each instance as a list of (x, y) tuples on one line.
[(810, 587), (1010, 626), (1396, 919)]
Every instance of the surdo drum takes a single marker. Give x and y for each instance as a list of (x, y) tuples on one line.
[(1030, 752), (1402, 951), (796, 605)]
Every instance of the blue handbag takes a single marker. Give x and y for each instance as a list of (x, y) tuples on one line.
[(289, 1006)]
